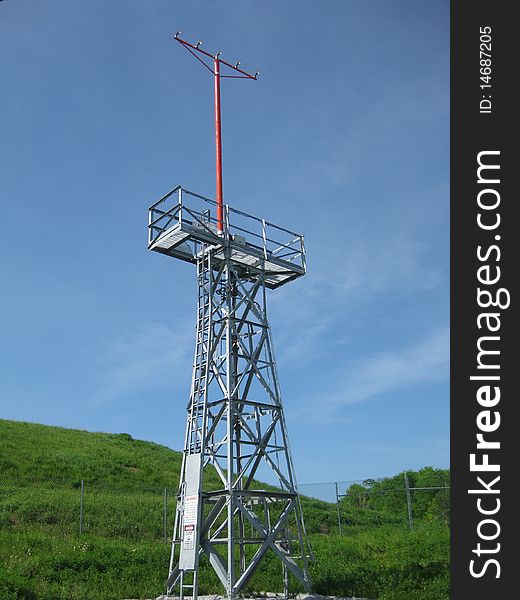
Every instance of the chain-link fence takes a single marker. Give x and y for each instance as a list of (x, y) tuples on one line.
[(81, 507), (406, 499), (137, 513)]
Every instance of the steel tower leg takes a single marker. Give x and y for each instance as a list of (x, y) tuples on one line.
[(235, 436)]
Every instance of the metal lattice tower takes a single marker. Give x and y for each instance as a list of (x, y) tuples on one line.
[(236, 433)]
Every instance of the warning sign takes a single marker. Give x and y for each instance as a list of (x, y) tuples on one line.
[(189, 537), (191, 506)]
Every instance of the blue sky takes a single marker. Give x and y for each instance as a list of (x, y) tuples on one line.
[(344, 137)]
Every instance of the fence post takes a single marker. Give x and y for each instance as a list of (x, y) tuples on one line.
[(165, 515), (408, 501), (337, 507), (81, 507)]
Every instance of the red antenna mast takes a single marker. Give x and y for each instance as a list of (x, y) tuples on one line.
[(217, 75)]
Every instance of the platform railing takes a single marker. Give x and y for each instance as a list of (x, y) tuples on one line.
[(181, 206)]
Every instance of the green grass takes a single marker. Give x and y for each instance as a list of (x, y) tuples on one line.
[(388, 563), (32, 452), (122, 554), (38, 564)]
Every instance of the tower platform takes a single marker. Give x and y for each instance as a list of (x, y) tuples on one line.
[(181, 221)]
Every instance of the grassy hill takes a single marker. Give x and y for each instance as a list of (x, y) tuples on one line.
[(32, 452), (122, 551)]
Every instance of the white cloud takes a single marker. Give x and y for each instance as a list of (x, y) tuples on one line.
[(152, 357), (308, 314), (424, 362)]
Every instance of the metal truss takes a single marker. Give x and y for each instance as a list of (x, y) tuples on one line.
[(235, 434)]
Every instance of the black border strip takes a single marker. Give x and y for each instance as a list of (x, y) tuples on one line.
[(473, 132)]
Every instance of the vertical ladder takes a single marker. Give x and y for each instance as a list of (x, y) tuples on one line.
[(192, 587), (187, 579), (196, 409)]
